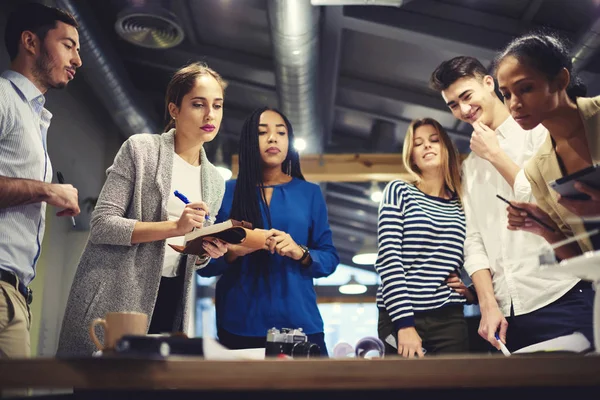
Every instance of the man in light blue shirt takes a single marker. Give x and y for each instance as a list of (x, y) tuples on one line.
[(43, 44)]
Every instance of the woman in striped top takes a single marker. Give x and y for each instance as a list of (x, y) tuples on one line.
[(421, 232)]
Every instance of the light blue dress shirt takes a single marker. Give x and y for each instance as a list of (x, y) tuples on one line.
[(24, 125)]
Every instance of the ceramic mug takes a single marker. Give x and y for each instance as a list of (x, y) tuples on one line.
[(116, 325)]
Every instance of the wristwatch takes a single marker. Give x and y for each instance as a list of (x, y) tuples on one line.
[(202, 259), (305, 254)]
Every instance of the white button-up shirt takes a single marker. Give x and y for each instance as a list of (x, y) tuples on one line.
[(511, 256)]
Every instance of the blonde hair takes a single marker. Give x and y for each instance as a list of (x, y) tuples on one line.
[(449, 155), (182, 83)]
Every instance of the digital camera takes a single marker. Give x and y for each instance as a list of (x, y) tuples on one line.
[(292, 342)]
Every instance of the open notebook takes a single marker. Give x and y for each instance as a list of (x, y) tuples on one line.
[(230, 231), (575, 343)]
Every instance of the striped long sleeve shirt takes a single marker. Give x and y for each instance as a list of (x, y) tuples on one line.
[(421, 240)]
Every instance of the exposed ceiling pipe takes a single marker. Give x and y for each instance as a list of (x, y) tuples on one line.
[(587, 46), (295, 35), (392, 3), (383, 137), (108, 78)]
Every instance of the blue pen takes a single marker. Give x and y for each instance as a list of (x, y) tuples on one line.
[(182, 197)]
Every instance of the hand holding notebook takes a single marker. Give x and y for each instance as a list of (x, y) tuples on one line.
[(230, 231)]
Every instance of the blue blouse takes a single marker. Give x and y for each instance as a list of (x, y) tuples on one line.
[(249, 305)]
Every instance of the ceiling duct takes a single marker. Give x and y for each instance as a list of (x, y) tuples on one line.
[(391, 3), (295, 35), (150, 24), (107, 77), (587, 46)]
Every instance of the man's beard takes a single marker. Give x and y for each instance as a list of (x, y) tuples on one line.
[(43, 71)]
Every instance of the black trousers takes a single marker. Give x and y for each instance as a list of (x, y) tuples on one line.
[(573, 312), (590, 226), (443, 331), (168, 310)]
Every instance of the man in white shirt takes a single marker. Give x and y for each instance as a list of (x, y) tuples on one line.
[(502, 263), (43, 45)]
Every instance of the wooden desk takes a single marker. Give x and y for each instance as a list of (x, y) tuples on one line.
[(322, 376)]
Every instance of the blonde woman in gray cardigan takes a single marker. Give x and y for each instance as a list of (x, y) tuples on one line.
[(127, 264)]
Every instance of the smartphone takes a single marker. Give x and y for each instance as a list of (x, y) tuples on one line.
[(566, 185)]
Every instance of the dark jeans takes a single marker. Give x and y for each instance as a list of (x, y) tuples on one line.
[(168, 310), (443, 331), (234, 342), (571, 313), (595, 239)]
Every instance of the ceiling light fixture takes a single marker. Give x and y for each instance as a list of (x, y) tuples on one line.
[(352, 287), (367, 255), (376, 193), (299, 144), (150, 27)]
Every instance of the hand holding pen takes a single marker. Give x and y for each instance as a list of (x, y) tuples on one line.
[(66, 197), (193, 215), (503, 347)]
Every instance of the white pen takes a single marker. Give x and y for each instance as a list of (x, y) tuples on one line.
[(503, 348)]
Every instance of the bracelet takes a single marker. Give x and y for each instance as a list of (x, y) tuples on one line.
[(202, 259)]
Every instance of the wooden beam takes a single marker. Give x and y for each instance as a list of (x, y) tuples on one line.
[(363, 167), (347, 299), (347, 167), (325, 294)]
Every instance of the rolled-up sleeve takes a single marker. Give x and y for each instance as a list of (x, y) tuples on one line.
[(476, 257), (522, 188), (522, 185)]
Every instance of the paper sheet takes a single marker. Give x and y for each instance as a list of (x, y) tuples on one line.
[(213, 350), (575, 343)]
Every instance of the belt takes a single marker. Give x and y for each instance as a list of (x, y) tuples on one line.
[(11, 278)]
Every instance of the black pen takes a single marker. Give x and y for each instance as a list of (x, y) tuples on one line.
[(536, 219), (61, 180)]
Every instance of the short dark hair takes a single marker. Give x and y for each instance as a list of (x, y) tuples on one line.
[(33, 17), (452, 70), (546, 52)]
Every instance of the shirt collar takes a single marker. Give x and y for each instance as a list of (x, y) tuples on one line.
[(24, 85), (507, 127)]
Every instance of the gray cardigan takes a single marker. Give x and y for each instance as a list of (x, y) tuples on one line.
[(113, 274)]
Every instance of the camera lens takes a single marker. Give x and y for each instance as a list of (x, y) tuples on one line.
[(305, 350)]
